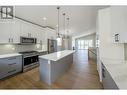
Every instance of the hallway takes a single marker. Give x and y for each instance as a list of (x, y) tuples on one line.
[(82, 75)]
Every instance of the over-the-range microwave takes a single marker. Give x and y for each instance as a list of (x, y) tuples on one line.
[(27, 40)]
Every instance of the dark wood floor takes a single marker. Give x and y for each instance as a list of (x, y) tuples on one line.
[(81, 75)]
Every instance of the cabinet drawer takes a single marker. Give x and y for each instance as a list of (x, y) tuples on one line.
[(9, 72), (13, 62), (11, 59), (9, 66)]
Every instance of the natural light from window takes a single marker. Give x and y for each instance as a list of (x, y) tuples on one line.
[(85, 44)]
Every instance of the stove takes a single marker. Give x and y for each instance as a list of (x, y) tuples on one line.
[(29, 53), (30, 60)]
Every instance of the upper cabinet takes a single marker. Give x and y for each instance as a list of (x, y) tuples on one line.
[(9, 31), (50, 33), (15, 32), (12, 30), (25, 29), (119, 24), (5, 28)]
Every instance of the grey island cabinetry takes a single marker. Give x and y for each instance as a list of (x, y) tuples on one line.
[(53, 65), (10, 64), (108, 82)]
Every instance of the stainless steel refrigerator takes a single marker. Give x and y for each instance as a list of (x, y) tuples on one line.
[(52, 46)]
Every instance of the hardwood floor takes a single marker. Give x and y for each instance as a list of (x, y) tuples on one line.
[(81, 75)]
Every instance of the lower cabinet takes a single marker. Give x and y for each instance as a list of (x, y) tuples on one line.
[(107, 81), (10, 66)]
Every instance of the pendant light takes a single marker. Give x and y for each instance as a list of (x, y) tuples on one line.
[(64, 25), (68, 27), (58, 34), (59, 39)]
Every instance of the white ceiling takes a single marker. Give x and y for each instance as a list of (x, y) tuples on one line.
[(82, 18)]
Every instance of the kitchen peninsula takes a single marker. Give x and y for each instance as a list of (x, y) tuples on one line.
[(55, 64)]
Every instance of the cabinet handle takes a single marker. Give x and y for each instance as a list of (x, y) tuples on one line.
[(12, 40), (11, 58), (11, 71), (11, 64), (30, 34)]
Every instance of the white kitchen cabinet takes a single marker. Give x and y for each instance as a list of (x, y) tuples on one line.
[(25, 29), (30, 30), (10, 31), (119, 24), (42, 35), (15, 33), (10, 66), (5, 30), (50, 33), (38, 32)]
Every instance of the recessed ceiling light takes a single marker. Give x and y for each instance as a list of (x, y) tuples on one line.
[(44, 18)]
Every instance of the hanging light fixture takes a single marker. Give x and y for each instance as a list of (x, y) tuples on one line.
[(68, 27), (58, 28), (64, 25), (59, 39)]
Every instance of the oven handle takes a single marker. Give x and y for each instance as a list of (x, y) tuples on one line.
[(31, 56)]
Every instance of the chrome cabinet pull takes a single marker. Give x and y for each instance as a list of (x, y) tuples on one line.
[(12, 40), (11, 71), (12, 58), (11, 64)]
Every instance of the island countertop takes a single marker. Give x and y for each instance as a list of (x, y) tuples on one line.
[(57, 55), (117, 70)]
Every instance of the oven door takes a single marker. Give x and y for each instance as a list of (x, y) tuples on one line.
[(30, 60)]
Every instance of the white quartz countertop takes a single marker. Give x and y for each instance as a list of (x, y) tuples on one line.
[(9, 55), (118, 73), (57, 55)]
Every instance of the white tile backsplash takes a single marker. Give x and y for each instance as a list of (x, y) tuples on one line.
[(13, 48)]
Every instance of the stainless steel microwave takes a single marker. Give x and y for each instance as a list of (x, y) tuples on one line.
[(27, 40)]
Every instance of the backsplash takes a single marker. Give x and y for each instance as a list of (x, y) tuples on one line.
[(10, 48)]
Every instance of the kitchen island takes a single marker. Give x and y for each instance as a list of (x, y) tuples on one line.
[(114, 74), (54, 65)]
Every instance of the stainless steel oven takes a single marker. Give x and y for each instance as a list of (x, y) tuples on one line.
[(30, 60)]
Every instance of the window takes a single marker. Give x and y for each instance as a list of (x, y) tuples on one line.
[(85, 44)]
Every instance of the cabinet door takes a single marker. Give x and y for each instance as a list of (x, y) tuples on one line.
[(42, 35), (24, 29), (5, 28), (119, 22), (32, 30), (50, 33), (15, 33)]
